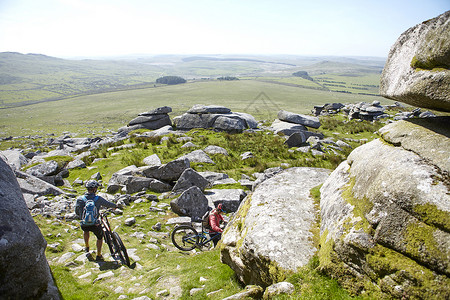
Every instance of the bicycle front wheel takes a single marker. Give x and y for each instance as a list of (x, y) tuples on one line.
[(121, 250), (184, 237)]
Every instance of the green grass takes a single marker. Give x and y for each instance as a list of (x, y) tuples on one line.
[(356, 84), (159, 266), (108, 111), (311, 284), (97, 114), (269, 151), (156, 266)]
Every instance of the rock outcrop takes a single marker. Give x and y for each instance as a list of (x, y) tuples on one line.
[(153, 119), (385, 213), (417, 71), (191, 203), (14, 158), (294, 127), (215, 117), (25, 273), (270, 233)]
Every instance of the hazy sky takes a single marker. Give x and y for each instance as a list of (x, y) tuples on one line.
[(66, 28)]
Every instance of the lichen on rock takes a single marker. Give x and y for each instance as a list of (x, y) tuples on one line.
[(270, 236), (384, 213), (417, 71)]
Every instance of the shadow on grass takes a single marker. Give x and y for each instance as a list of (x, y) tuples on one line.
[(108, 265)]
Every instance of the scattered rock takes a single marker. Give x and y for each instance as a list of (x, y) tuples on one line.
[(278, 289), (77, 163), (213, 176), (103, 276), (296, 139), (152, 160), (308, 121), (198, 156), (250, 291), (168, 172), (246, 155), (216, 150), (189, 145), (130, 221), (154, 119)]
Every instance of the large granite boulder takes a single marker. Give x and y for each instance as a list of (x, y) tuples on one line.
[(14, 158), (153, 119), (270, 234), (25, 273), (191, 203), (190, 178), (30, 184), (215, 117), (229, 198), (417, 71), (45, 169), (167, 172), (286, 128), (386, 214), (305, 120)]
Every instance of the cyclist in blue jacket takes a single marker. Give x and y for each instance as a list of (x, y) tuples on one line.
[(92, 186)]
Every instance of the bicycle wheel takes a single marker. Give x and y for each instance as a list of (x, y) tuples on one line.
[(184, 237), (121, 250)]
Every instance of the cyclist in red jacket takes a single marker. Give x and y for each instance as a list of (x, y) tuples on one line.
[(215, 218)]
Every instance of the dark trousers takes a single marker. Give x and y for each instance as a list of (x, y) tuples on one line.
[(215, 236)]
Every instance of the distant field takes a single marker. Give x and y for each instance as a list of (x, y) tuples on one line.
[(363, 84), (109, 111), (41, 94)]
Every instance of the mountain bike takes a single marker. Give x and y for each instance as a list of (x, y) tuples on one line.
[(186, 237), (112, 239)]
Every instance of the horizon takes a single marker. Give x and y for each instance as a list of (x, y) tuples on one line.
[(112, 28), (218, 55)]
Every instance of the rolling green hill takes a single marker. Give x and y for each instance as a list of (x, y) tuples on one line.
[(109, 111), (39, 93), (33, 78)]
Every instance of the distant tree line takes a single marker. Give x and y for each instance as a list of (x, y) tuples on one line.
[(302, 74), (227, 78), (171, 80)]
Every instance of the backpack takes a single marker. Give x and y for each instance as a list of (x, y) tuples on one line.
[(205, 219), (90, 212)]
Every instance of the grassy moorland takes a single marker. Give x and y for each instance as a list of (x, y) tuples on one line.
[(95, 97), (41, 94), (109, 111), (156, 264)]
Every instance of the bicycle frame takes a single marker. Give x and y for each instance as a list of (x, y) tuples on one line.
[(105, 223), (204, 237)]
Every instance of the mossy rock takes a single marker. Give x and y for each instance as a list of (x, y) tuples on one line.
[(417, 70)]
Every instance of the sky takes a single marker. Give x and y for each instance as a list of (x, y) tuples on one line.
[(101, 28)]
